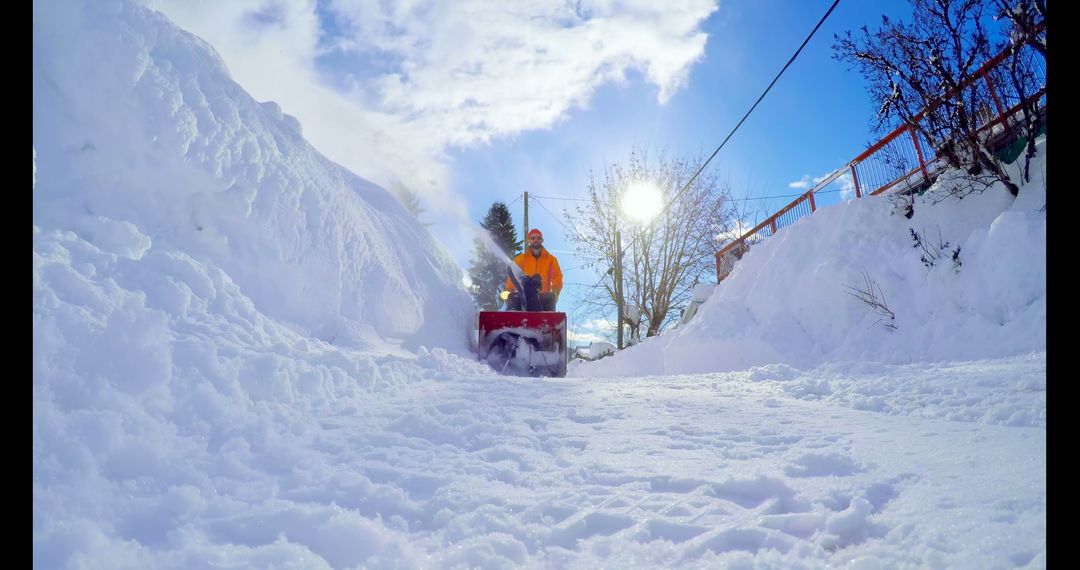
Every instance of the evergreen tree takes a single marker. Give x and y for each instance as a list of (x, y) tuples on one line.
[(410, 200), (488, 270)]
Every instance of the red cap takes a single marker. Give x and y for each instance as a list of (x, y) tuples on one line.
[(535, 231)]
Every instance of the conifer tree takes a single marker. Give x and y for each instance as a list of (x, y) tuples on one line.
[(488, 270)]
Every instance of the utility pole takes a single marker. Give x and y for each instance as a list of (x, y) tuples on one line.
[(525, 243), (618, 286)]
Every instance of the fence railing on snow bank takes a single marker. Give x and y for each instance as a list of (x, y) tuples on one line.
[(900, 161)]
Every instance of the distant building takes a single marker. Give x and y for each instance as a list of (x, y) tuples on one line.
[(594, 351)]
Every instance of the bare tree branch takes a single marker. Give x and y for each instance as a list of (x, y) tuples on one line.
[(662, 260), (923, 75), (871, 295)]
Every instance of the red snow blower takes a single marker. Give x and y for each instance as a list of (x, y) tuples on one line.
[(529, 342)]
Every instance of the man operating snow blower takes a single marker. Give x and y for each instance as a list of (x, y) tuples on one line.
[(536, 261), (529, 338)]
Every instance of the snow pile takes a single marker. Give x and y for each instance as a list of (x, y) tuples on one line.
[(217, 381), (166, 407), (790, 299), (145, 146)]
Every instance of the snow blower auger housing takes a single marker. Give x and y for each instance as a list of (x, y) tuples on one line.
[(529, 342)]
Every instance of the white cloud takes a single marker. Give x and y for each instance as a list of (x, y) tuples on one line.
[(590, 331), (576, 338), (601, 325), (847, 186), (385, 88), (845, 183), (739, 228), (801, 184)]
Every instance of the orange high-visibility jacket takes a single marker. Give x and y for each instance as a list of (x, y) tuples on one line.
[(546, 265)]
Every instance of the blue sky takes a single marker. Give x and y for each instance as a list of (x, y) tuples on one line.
[(468, 103), (816, 118)]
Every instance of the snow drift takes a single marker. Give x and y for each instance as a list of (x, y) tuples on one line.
[(790, 301), (145, 148), (216, 380)]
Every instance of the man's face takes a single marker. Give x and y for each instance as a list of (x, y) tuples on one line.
[(536, 241)]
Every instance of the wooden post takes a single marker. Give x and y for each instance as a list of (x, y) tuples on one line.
[(525, 243), (618, 286)]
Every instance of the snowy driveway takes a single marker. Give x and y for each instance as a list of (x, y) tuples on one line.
[(771, 464)]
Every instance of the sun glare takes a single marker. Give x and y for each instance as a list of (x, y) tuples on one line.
[(642, 201)]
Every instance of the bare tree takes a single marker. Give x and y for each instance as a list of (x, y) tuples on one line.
[(664, 259), (1026, 27), (923, 74), (1027, 18)]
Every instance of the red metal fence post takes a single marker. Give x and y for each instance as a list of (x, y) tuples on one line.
[(918, 151), (993, 93), (997, 102), (873, 170), (855, 179)]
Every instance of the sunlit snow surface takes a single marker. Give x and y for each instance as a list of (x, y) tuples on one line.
[(235, 366)]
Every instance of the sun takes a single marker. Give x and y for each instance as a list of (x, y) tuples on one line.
[(642, 201)]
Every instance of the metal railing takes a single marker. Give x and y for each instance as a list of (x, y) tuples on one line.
[(901, 160)]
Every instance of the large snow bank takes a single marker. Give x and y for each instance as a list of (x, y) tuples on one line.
[(144, 146), (789, 299)]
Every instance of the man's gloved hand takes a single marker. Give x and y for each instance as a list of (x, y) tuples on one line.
[(504, 295)]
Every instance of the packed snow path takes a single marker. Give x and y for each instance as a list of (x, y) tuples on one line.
[(445, 465), (885, 463), (219, 383), (884, 466)]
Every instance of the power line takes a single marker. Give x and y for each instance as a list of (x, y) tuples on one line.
[(575, 232), (556, 218), (554, 198), (790, 61), (568, 252), (582, 296), (584, 265), (581, 300), (602, 277)]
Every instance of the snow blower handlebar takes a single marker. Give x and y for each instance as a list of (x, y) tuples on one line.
[(527, 286)]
